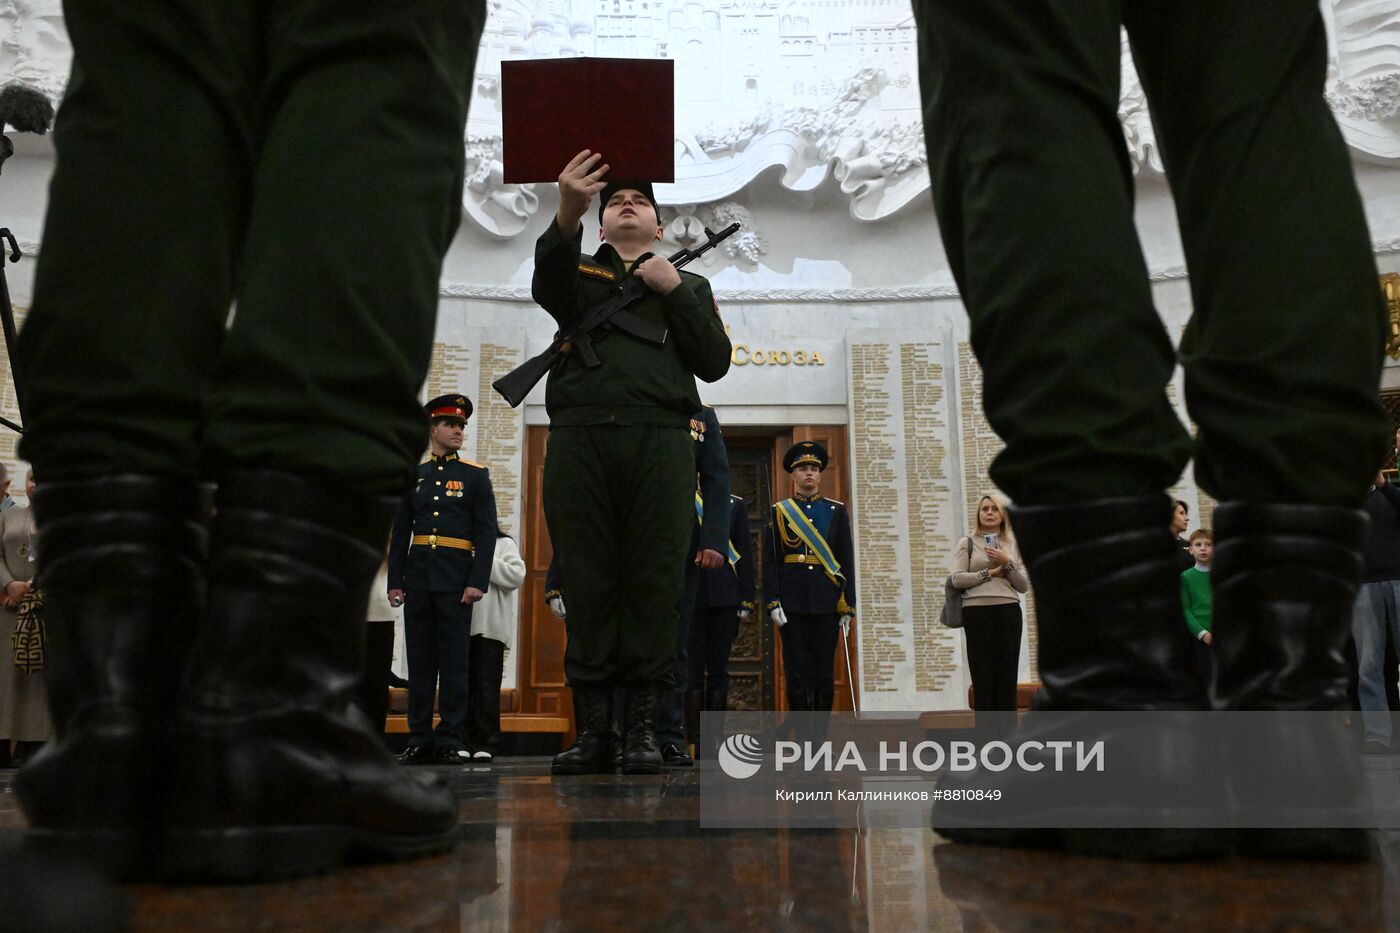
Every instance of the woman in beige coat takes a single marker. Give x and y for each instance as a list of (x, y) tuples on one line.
[(987, 568), (24, 709)]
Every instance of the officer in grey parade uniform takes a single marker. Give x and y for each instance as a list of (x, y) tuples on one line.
[(439, 565)]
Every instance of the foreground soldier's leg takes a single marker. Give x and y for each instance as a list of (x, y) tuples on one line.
[(1034, 194), (147, 209), (1282, 363), (364, 117)]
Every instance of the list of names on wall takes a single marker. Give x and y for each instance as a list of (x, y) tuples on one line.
[(448, 370), (981, 445), (9, 407), (499, 432), (905, 486), (884, 640), (929, 513)]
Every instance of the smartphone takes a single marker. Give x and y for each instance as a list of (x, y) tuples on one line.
[(992, 540)]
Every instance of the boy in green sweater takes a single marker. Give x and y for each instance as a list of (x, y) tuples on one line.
[(1195, 599)]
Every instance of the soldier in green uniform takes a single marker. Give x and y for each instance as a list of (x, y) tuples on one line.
[(440, 554), (1034, 193), (619, 477), (301, 161)]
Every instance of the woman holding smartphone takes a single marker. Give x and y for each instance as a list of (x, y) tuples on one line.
[(987, 568)]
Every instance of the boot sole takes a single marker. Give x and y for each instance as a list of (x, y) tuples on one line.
[(1148, 845), (576, 769), (1351, 845), (646, 767), (121, 855), (276, 853), (1141, 845)]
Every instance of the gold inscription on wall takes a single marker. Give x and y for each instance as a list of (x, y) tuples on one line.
[(744, 355)]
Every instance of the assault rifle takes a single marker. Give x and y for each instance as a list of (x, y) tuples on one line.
[(612, 312)]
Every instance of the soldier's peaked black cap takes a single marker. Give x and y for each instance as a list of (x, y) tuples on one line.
[(805, 452), (615, 186), (449, 406)]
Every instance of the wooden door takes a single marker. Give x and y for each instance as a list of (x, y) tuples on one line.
[(539, 681)]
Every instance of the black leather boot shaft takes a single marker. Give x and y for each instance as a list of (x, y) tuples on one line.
[(594, 748), (640, 752), (1112, 634), (279, 772), (1284, 579), (121, 562)]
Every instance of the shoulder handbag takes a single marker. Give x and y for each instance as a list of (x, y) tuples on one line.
[(951, 616)]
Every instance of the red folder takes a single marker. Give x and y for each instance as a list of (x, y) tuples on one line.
[(552, 109)]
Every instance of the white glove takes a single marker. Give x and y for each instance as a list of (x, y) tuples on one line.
[(845, 624), (778, 616), (556, 606), (744, 614)]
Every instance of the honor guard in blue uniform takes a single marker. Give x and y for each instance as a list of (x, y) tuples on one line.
[(809, 579), (709, 547), (723, 599), (439, 565)]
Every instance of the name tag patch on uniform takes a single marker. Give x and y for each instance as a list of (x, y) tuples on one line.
[(597, 272)]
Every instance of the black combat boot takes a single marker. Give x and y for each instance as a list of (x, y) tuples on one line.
[(594, 748), (278, 773), (1284, 579), (1112, 637), (640, 754), (122, 570)]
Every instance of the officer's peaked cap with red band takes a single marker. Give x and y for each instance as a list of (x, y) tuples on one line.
[(449, 406)]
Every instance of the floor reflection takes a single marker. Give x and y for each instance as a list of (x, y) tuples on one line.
[(623, 853)]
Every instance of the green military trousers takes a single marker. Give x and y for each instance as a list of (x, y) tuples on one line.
[(300, 159), (620, 503), (1034, 194)]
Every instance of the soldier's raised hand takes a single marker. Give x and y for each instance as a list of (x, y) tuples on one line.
[(581, 179)]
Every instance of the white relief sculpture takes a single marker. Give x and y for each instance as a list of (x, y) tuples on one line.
[(34, 46), (821, 90), (501, 209), (747, 245), (1141, 139), (1364, 77)]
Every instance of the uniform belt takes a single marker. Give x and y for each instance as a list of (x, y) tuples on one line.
[(437, 541), (802, 559)]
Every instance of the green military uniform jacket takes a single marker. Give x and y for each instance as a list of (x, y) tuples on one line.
[(639, 383)]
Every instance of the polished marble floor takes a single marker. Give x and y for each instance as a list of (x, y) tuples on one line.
[(628, 853)]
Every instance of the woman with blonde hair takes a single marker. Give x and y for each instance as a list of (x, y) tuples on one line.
[(987, 569)]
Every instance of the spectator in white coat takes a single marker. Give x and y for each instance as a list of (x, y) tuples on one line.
[(493, 634)]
